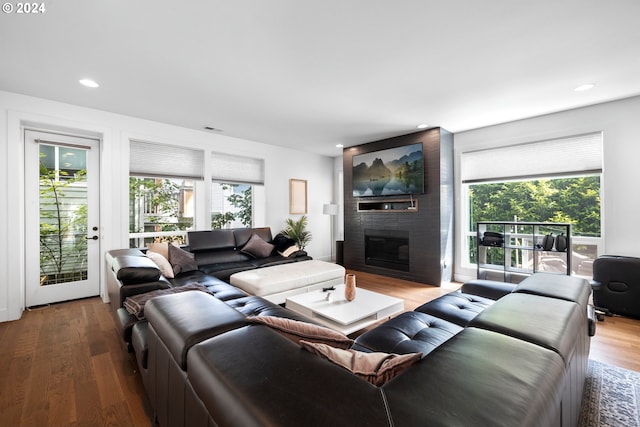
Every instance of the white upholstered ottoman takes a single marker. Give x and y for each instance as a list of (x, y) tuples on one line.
[(278, 282)]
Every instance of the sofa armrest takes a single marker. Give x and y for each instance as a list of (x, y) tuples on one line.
[(487, 288), (135, 269)]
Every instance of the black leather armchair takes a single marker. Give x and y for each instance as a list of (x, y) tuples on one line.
[(616, 285)]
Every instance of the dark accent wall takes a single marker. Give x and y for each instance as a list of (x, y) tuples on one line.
[(430, 227)]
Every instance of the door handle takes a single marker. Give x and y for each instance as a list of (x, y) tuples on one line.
[(92, 238)]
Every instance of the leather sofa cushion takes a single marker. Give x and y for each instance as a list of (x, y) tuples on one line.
[(185, 319), (253, 376), (546, 284), (135, 269), (216, 287), (257, 306), (210, 240), (218, 259), (479, 378), (456, 307), (409, 332), (270, 261), (140, 343), (548, 322), (196, 276), (487, 288), (125, 321), (225, 292), (224, 270), (112, 254)]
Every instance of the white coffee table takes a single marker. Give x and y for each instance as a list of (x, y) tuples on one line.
[(345, 316)]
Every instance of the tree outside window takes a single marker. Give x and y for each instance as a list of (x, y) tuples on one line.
[(574, 200), (232, 205), (160, 205)]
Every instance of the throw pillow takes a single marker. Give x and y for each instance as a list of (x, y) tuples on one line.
[(181, 260), (296, 330), (161, 248), (162, 263), (257, 248), (289, 251), (376, 368)]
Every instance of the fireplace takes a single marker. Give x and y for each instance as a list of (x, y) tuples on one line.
[(387, 249)]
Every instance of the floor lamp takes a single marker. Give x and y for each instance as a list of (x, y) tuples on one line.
[(331, 210)]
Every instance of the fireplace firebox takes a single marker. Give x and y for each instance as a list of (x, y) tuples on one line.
[(387, 249)]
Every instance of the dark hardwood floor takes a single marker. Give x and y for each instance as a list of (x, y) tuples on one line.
[(65, 365)]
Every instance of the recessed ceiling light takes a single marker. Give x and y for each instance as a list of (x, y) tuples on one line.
[(584, 87), (422, 126), (339, 145), (88, 83)]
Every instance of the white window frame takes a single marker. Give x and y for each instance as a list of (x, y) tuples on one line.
[(585, 149), (158, 160), (198, 193)]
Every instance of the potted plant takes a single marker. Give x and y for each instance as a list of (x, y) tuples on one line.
[(297, 231)]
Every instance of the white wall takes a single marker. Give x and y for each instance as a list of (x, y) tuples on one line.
[(115, 130), (621, 174)]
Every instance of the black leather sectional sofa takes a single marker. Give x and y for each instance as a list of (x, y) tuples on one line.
[(493, 355), (217, 253)]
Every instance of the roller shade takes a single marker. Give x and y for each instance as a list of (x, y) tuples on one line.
[(165, 161), (580, 154), (237, 169)]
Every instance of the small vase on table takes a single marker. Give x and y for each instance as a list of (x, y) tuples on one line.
[(350, 287)]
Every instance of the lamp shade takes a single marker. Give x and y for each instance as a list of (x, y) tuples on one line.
[(330, 209)]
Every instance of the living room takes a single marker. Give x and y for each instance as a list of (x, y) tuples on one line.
[(39, 108)]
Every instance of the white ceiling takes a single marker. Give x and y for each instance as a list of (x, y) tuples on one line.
[(311, 74)]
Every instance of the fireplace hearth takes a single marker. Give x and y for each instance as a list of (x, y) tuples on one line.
[(387, 249)]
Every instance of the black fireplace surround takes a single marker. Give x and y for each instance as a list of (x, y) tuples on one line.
[(427, 255), (387, 249)]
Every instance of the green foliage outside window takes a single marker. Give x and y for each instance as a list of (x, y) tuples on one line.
[(567, 200), (63, 226), (155, 206), (242, 204), (572, 200)]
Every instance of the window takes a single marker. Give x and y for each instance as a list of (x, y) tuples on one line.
[(235, 179), (573, 200), (160, 209), (63, 213), (162, 187), (167, 189), (67, 163), (523, 186), (232, 205)]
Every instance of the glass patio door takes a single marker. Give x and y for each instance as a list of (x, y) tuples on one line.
[(61, 217)]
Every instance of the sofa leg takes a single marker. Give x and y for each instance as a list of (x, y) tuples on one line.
[(601, 312)]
